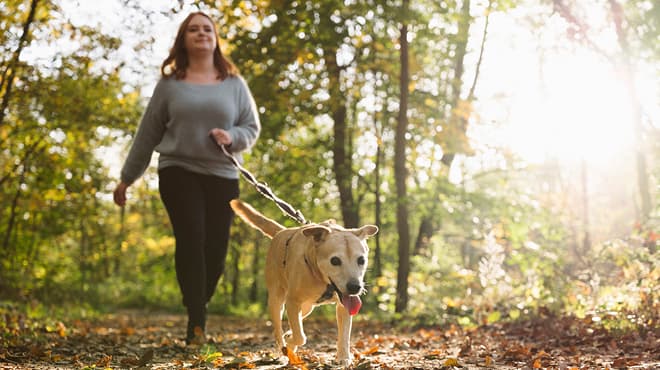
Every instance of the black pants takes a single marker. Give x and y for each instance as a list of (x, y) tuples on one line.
[(199, 211)]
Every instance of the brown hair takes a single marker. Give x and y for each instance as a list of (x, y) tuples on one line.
[(177, 60)]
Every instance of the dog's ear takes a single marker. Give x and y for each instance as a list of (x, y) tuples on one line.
[(365, 231), (319, 232)]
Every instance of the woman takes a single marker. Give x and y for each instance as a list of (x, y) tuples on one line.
[(199, 94)]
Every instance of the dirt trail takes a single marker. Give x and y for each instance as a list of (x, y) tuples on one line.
[(153, 341)]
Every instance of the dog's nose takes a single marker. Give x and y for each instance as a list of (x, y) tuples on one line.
[(353, 287)]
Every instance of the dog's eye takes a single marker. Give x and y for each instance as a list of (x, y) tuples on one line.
[(335, 261), (361, 260)]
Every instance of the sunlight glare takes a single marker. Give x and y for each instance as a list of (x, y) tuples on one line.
[(580, 111)]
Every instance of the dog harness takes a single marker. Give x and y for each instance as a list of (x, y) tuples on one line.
[(329, 290), (328, 294)]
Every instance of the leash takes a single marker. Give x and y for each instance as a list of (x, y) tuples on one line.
[(262, 187)]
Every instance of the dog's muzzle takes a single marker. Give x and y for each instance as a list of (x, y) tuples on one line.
[(350, 301), (354, 287)]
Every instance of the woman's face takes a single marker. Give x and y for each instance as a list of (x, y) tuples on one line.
[(199, 35)]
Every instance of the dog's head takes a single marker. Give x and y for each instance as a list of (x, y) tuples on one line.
[(341, 256)]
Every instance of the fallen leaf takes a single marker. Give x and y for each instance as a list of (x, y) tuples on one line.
[(266, 360), (139, 362), (293, 357), (451, 362), (364, 365), (146, 357), (623, 362), (104, 361), (129, 361), (434, 354), (128, 330), (371, 351)]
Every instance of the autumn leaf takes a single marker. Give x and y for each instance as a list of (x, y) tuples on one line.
[(146, 357), (371, 351), (434, 354), (104, 361), (501, 345), (293, 357), (451, 362), (623, 362), (129, 361), (209, 355), (60, 329), (127, 330), (239, 363), (364, 365), (142, 361), (517, 353), (266, 360)]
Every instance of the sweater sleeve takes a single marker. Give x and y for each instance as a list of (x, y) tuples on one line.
[(246, 130), (149, 134)]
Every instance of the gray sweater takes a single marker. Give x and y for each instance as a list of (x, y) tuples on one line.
[(177, 121)]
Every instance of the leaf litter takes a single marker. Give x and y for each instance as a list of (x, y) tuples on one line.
[(148, 340)]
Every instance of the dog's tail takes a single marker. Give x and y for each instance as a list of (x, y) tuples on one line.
[(260, 222)]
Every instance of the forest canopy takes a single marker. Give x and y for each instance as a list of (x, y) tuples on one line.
[(508, 150)]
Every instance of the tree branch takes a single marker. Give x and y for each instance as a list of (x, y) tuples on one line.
[(470, 96), (8, 74)]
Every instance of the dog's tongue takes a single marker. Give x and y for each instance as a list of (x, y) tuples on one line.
[(352, 303)]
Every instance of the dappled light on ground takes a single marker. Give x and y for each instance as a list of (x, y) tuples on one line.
[(154, 341)]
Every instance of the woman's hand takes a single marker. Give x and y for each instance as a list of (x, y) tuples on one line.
[(221, 136), (119, 194)]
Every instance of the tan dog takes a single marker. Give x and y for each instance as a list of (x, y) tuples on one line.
[(309, 266)]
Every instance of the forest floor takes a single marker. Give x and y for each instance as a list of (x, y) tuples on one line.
[(147, 340)]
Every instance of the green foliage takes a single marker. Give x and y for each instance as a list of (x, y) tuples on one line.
[(499, 244), (621, 286), (55, 239)]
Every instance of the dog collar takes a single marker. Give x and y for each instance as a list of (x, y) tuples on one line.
[(331, 288), (328, 294)]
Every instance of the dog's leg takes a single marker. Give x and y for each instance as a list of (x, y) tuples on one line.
[(294, 315), (276, 309), (306, 309), (344, 323)]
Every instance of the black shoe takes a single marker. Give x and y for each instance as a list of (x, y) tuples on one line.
[(195, 336), (196, 324)]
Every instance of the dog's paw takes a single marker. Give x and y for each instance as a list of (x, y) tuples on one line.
[(343, 362), (296, 340)]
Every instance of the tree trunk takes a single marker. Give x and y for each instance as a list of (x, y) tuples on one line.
[(400, 172), (378, 265), (256, 267), (235, 280), (12, 214), (484, 36), (638, 127), (423, 236), (342, 160), (83, 264), (30, 149), (9, 73), (586, 235), (120, 240), (455, 143), (624, 64)]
